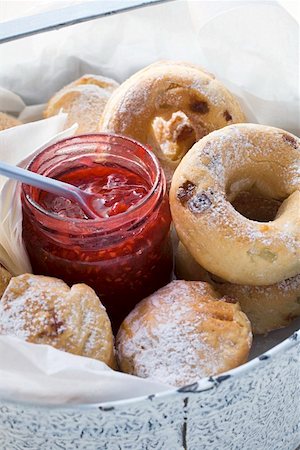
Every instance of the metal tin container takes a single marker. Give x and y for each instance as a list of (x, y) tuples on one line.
[(253, 407)]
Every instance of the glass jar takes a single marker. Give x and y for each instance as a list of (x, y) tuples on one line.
[(124, 257)]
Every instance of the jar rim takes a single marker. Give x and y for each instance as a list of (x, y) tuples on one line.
[(113, 221)]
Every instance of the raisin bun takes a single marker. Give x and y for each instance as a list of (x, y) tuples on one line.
[(44, 310), (237, 158), (84, 101), (267, 307), (169, 106), (183, 332)]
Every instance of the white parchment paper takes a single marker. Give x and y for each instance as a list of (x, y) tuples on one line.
[(42, 374), (17, 146), (253, 47)]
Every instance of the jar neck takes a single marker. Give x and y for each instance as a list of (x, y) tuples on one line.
[(86, 150)]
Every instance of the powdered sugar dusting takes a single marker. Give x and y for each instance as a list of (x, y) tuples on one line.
[(240, 158), (159, 91), (289, 284), (173, 337), (240, 146), (45, 310), (26, 310), (84, 104), (223, 216), (84, 101)]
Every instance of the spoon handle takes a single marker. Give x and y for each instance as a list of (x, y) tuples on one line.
[(51, 185), (34, 179)]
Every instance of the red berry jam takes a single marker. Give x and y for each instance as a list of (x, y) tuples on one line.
[(125, 254), (116, 190)]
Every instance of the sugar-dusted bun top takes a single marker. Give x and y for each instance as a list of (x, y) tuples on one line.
[(241, 157), (169, 105), (183, 332), (45, 310), (84, 100)]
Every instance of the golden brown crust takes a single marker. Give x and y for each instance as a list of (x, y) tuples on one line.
[(7, 121), (84, 101), (267, 307), (108, 84), (170, 105), (5, 277), (183, 332), (210, 176), (44, 310)]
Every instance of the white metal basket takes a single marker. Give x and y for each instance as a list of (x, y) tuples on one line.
[(253, 407)]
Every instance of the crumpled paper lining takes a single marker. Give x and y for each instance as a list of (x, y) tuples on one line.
[(42, 374), (18, 146), (251, 46)]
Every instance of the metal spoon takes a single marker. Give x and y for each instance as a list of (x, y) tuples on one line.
[(92, 205)]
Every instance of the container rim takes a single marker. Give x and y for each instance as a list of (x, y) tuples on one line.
[(202, 385)]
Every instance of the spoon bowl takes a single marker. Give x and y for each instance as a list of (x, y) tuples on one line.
[(92, 205)]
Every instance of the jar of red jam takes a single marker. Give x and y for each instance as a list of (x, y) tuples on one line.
[(125, 253)]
